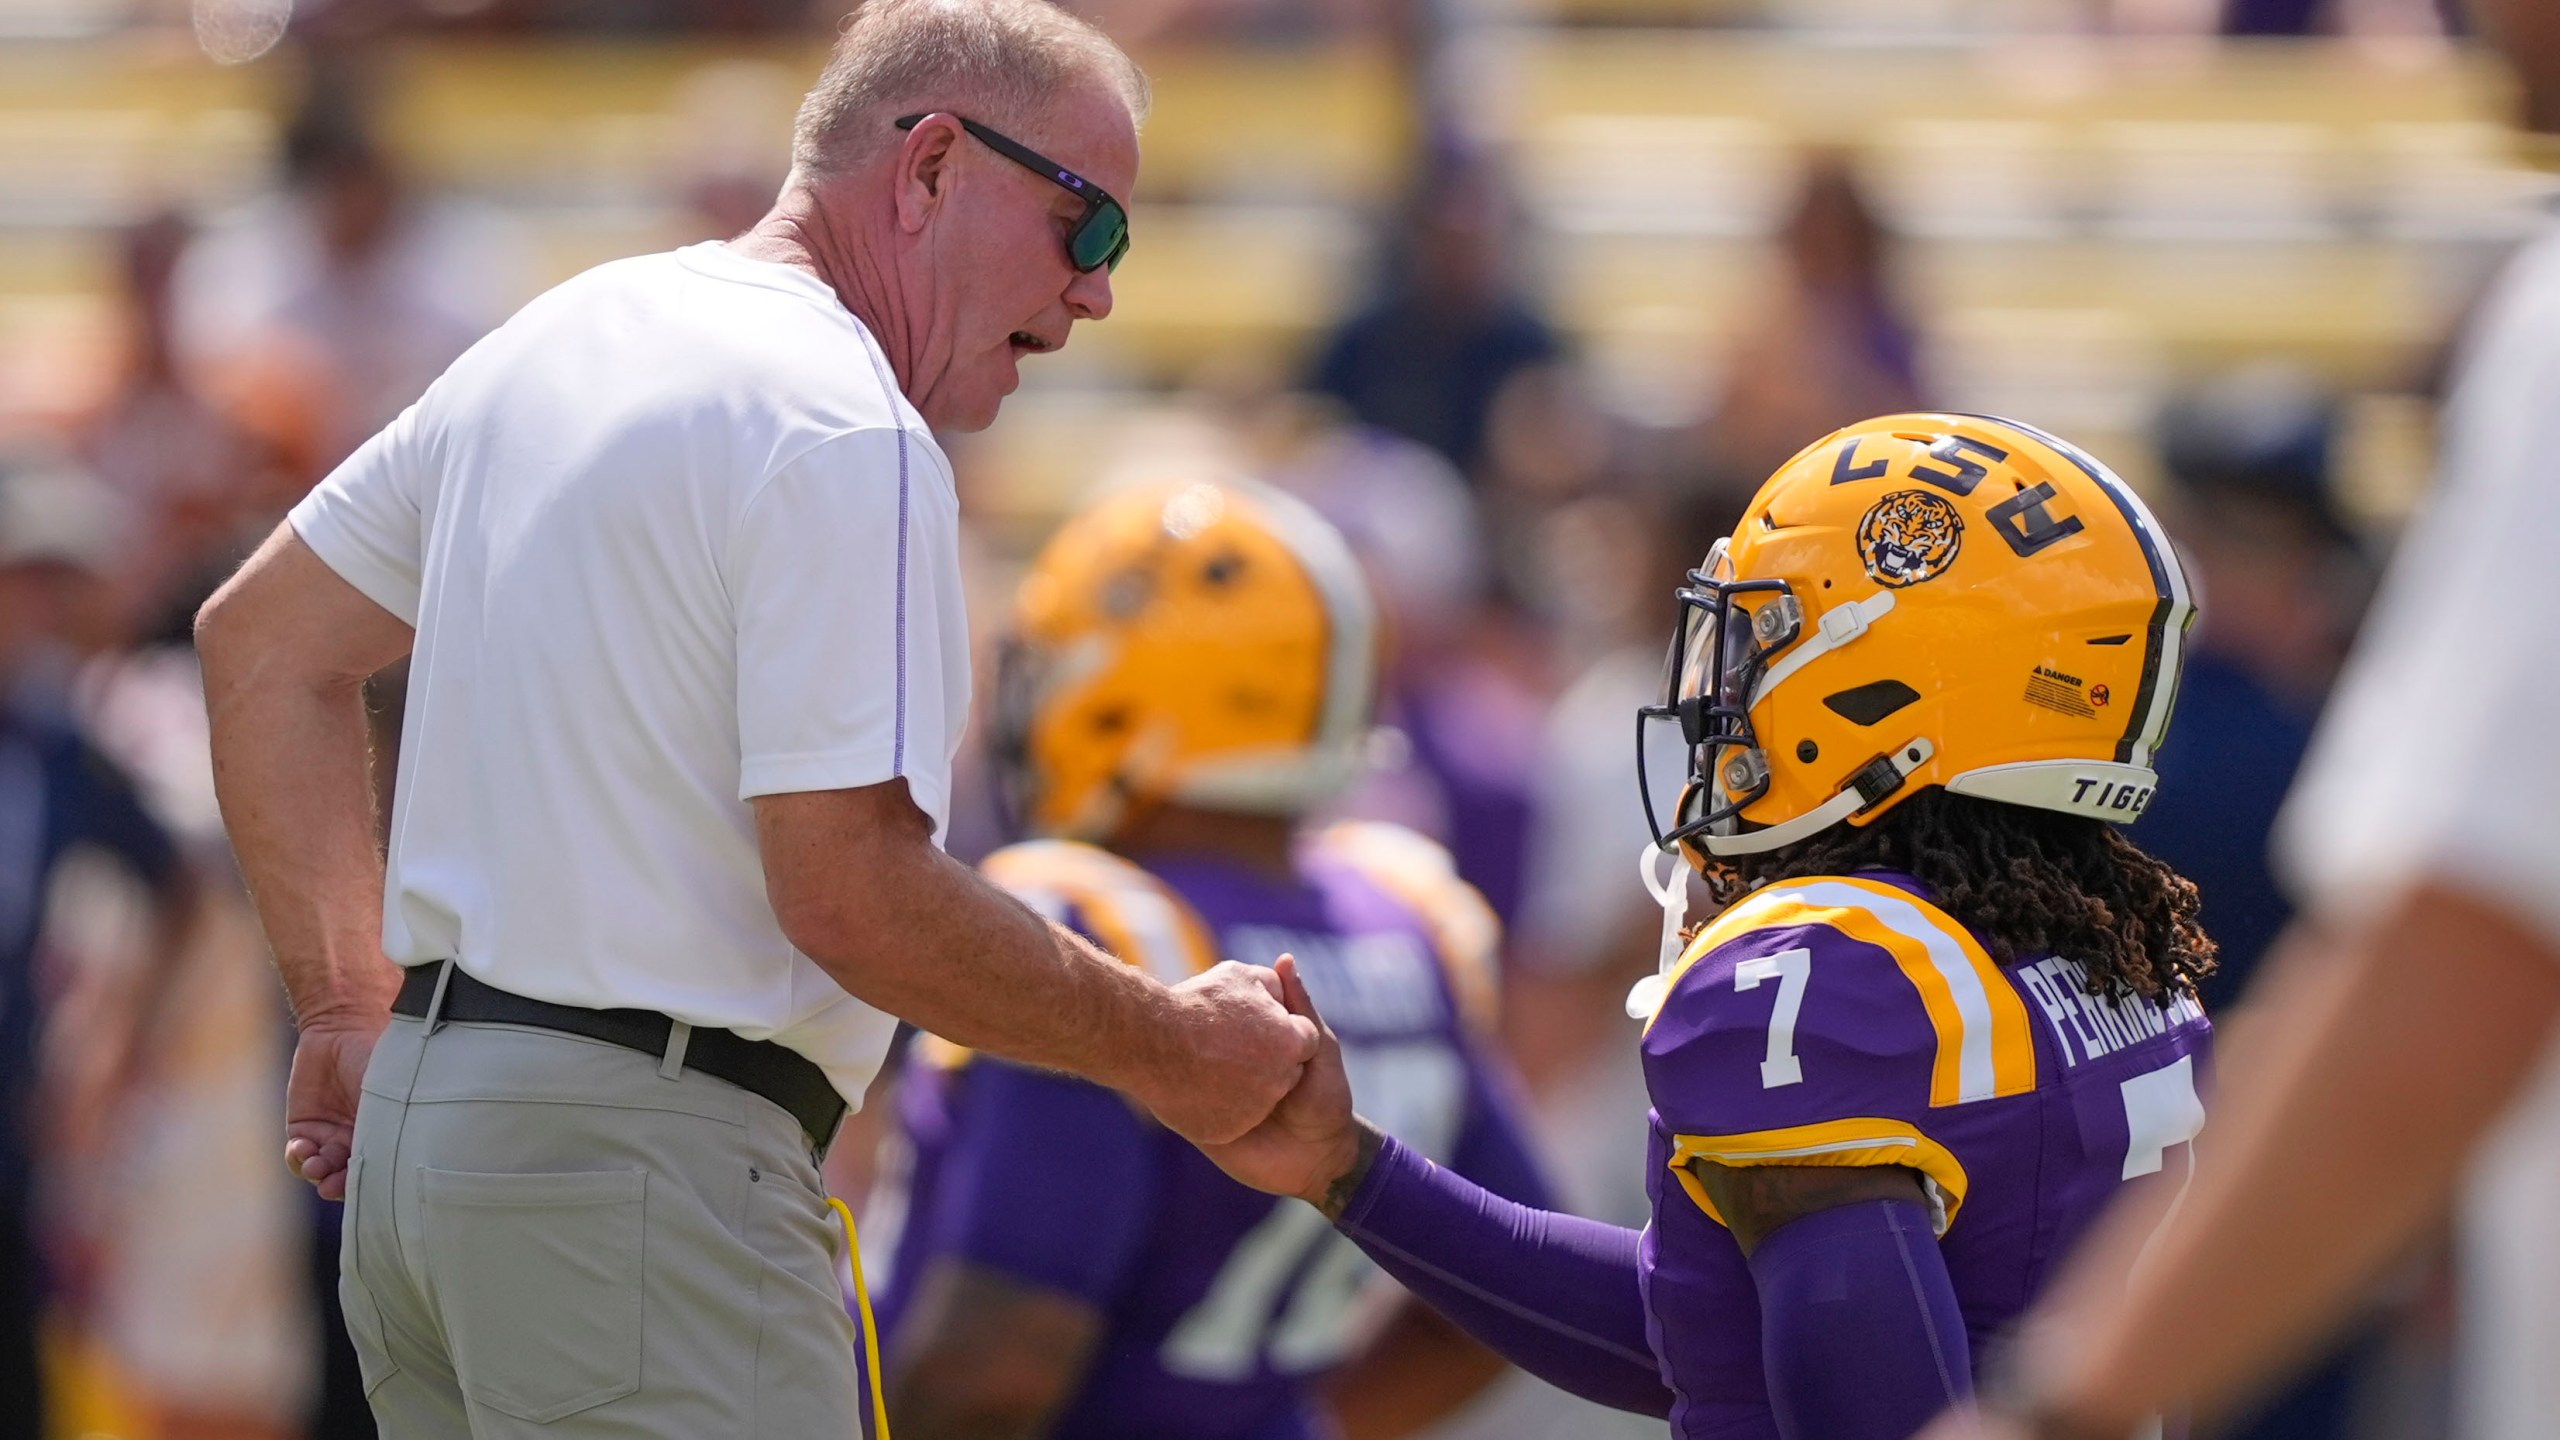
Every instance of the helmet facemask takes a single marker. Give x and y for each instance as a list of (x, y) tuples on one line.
[(1720, 650)]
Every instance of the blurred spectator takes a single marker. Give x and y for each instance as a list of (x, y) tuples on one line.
[(2283, 583), (1830, 346), (728, 114), (1450, 323), (1147, 22), (200, 488), (58, 796), (2370, 18), (1547, 444), (1468, 692), (330, 306), (2338, 16)]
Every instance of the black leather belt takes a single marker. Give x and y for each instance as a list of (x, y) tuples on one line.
[(778, 1073)]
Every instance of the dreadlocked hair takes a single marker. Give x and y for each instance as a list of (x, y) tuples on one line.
[(2023, 880)]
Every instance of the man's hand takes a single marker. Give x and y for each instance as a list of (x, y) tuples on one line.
[(1310, 1144), (320, 1103), (1234, 1051)]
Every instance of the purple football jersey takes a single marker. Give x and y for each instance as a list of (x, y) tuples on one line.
[(1221, 1304), (1846, 1020)]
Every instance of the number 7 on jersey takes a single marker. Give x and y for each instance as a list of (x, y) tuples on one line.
[(1790, 968)]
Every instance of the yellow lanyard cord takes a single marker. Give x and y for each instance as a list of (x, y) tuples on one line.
[(870, 1329)]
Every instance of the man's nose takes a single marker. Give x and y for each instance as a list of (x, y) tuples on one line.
[(1089, 294)]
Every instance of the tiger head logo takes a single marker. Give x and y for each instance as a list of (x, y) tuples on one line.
[(1909, 536)]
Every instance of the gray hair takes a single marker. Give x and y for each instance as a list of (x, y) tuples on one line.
[(1005, 60)]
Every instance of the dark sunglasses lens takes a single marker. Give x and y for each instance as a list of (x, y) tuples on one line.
[(1102, 239)]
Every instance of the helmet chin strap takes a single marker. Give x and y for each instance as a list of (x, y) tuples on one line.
[(1669, 887), (1874, 781)]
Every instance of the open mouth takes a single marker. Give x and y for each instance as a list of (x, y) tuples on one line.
[(1026, 343)]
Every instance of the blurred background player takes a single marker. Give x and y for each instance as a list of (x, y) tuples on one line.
[(1191, 673), (1949, 1010), (60, 798)]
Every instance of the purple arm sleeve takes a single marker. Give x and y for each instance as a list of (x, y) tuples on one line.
[(1859, 1331), (1554, 1294)]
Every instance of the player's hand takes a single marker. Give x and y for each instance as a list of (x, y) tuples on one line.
[(1311, 1140), (1235, 1051), (320, 1097)]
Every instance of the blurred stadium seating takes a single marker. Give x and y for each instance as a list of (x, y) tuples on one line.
[(2084, 218)]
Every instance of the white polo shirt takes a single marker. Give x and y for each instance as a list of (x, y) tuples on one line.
[(671, 540), (2440, 756)]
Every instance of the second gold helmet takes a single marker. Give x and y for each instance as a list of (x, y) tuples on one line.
[(1211, 643)]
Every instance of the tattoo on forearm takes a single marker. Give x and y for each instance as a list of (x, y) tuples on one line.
[(1337, 1196)]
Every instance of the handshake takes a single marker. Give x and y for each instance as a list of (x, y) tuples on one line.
[(1260, 1085)]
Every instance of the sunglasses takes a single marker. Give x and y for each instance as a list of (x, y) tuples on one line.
[(1101, 238)]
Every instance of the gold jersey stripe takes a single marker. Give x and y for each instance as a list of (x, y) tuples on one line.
[(1985, 1049), (1865, 1140)]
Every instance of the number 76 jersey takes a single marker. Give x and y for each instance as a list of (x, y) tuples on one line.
[(1221, 1308), (1847, 1020)]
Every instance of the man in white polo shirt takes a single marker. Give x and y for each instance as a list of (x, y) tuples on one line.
[(673, 554)]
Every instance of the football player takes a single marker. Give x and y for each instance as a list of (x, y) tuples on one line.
[(1191, 671), (1948, 1010)]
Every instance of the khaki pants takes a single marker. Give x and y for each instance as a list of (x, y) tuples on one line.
[(547, 1237)]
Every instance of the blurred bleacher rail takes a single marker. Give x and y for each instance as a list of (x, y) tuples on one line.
[(2083, 218)]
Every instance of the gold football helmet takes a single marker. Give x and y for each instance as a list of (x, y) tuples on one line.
[(1208, 643), (1922, 600)]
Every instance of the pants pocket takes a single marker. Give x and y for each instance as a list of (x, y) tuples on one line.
[(355, 1300), (539, 1282)]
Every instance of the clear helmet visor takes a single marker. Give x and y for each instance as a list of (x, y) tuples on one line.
[(1719, 644)]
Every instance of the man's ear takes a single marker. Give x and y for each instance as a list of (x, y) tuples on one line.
[(923, 170)]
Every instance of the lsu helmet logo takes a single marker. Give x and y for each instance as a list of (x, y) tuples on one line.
[(1909, 536)]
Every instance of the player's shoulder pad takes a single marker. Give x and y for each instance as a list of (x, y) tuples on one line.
[(1979, 1046), (1111, 901), (1422, 876)]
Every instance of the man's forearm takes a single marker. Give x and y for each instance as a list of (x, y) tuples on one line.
[(292, 770), (2359, 1083), (859, 886), (957, 956)]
